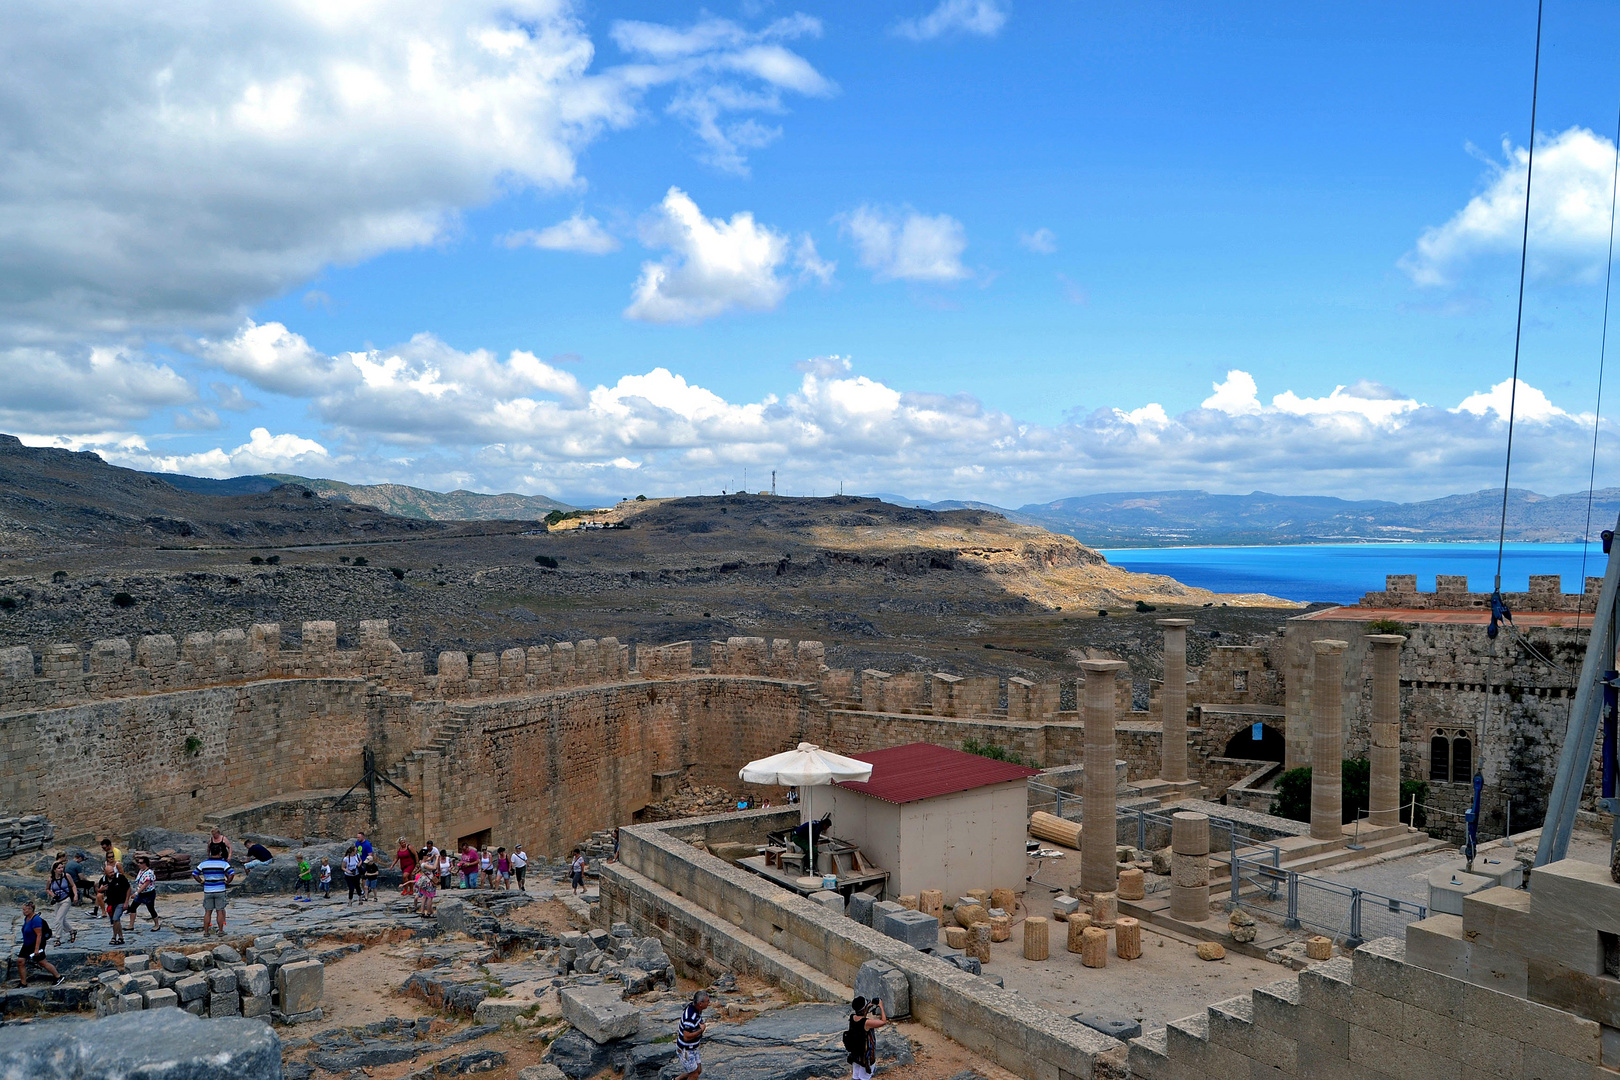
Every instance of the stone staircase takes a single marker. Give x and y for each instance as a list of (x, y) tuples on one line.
[(1304, 854), (1264, 1026)]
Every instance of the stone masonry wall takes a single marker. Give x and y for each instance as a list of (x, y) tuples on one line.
[(1447, 672)]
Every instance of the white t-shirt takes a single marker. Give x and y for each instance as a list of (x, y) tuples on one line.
[(519, 860)]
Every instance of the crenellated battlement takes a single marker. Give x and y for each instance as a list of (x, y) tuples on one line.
[(67, 673), (1451, 594)]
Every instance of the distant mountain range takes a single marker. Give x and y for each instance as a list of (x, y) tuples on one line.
[(1113, 519), (1174, 518), (396, 499)]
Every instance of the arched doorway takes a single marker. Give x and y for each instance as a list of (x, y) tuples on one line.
[(1269, 747)]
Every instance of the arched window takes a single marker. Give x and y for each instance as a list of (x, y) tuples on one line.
[(1440, 758), (1462, 759)]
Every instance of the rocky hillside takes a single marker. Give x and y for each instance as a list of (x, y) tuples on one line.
[(90, 551)]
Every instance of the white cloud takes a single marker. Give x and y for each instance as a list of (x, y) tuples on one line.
[(84, 389), (719, 69), (1569, 213), (810, 263), (273, 358), (428, 414), (908, 247), (1529, 403), (262, 453), (168, 167), (1236, 396), (1042, 241), (714, 265), (580, 234), (982, 17)]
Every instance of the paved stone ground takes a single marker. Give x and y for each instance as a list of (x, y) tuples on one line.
[(1405, 878), (1166, 983)]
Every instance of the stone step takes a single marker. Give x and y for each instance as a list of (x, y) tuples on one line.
[(1150, 1056), (1230, 1022), (1303, 854)]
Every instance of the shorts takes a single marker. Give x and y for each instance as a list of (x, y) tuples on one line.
[(213, 901), (27, 954), (687, 1059), (116, 912), (861, 1072), (579, 878)]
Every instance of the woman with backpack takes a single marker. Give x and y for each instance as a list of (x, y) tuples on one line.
[(351, 874), (860, 1042), (34, 936), (64, 894)]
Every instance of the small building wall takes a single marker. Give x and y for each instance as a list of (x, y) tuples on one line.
[(872, 825), (965, 840)]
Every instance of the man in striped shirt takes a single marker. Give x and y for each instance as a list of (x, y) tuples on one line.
[(689, 1035), (216, 874)]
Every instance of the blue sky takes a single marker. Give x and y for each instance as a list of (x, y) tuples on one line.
[(971, 249)]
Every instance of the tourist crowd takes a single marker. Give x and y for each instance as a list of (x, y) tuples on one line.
[(115, 896)]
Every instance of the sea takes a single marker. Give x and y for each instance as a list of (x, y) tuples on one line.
[(1341, 573)]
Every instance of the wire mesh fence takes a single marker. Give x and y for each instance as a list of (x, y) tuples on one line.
[(1259, 883)]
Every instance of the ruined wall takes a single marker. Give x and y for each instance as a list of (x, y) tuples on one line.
[(542, 744), (1447, 673)]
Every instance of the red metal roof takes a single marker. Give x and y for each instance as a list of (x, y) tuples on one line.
[(904, 774)]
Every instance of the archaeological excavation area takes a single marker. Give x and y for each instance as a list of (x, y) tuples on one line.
[(1079, 877)]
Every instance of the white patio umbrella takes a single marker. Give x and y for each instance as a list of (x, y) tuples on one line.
[(807, 767)]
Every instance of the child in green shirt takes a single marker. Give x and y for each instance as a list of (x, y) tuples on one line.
[(306, 880)]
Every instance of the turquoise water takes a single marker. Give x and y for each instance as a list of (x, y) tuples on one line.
[(1340, 573)]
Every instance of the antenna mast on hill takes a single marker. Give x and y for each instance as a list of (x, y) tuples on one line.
[(773, 481)]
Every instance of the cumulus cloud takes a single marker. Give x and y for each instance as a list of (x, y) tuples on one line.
[(719, 69), (1042, 241), (186, 163), (907, 246), (1569, 213), (84, 389), (429, 414), (984, 18), (580, 234), (1235, 396), (1528, 404), (714, 265)]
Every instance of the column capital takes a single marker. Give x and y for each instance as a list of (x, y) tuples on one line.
[(1105, 667), (1172, 624), (1386, 640), (1329, 646)]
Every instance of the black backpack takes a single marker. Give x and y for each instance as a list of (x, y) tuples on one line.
[(855, 1039)]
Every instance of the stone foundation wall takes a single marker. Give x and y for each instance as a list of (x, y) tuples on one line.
[(1003, 1026)]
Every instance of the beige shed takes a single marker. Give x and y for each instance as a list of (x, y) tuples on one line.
[(937, 818)]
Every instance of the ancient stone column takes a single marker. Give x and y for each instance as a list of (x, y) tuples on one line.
[(1077, 930), (1127, 939), (1098, 865), (1189, 866), (1327, 740), (1094, 947), (1173, 696), (1035, 941), (1384, 786)]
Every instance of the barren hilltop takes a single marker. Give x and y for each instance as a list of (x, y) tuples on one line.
[(89, 550)]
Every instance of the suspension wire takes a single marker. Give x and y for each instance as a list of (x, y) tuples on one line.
[(1499, 610), (1603, 348), (1518, 327)]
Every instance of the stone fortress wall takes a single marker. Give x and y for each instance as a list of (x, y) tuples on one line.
[(548, 743), (1449, 670), (544, 744)]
